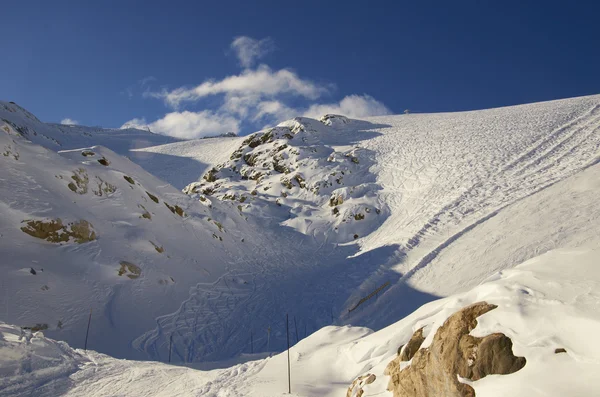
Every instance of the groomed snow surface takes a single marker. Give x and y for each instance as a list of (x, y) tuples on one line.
[(498, 205)]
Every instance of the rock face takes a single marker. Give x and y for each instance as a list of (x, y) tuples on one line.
[(413, 345), (433, 370)]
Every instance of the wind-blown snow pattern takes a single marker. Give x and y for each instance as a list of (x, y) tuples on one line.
[(332, 221)]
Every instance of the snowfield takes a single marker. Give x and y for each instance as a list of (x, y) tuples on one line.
[(539, 307), (363, 231)]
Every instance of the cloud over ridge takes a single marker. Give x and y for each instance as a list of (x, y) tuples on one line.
[(254, 97)]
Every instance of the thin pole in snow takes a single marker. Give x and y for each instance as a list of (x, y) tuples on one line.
[(88, 331), (296, 326), (170, 345), (287, 331)]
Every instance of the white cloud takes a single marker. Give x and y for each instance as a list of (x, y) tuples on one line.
[(140, 124), (274, 110), (249, 50), (255, 96), (236, 110), (68, 121), (261, 82), (353, 106), (189, 125)]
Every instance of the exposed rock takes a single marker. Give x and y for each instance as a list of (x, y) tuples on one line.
[(145, 214), (175, 209), (104, 161), (129, 179), (104, 188), (80, 181), (356, 388), (37, 327), (413, 345), (334, 119), (433, 370), (335, 201), (130, 270), (560, 350), (152, 197), (82, 231), (55, 232), (211, 175), (160, 249)]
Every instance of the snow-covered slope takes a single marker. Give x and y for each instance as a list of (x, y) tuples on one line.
[(88, 229), (332, 221), (62, 137), (417, 190), (549, 307), (180, 163)]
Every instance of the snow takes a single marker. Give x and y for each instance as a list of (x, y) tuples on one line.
[(538, 308), (430, 206), (181, 162)]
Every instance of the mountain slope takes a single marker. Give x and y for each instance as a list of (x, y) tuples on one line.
[(352, 221), (422, 185)]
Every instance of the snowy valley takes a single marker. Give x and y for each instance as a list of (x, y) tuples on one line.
[(370, 234)]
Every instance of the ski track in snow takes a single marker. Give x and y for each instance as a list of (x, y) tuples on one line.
[(565, 151)]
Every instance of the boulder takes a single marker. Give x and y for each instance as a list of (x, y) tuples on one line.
[(434, 370)]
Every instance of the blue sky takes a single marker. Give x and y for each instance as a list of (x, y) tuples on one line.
[(198, 68)]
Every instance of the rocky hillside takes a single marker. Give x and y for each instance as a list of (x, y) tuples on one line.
[(324, 190)]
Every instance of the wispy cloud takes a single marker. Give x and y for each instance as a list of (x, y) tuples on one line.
[(260, 82), (189, 125), (254, 97), (146, 80), (68, 121), (248, 50)]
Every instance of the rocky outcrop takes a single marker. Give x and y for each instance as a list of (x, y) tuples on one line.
[(55, 231), (356, 388), (130, 270), (413, 345), (434, 370)]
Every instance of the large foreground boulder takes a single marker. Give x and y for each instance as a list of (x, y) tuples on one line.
[(434, 370)]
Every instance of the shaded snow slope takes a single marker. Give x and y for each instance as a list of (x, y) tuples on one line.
[(547, 303), (180, 163)]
